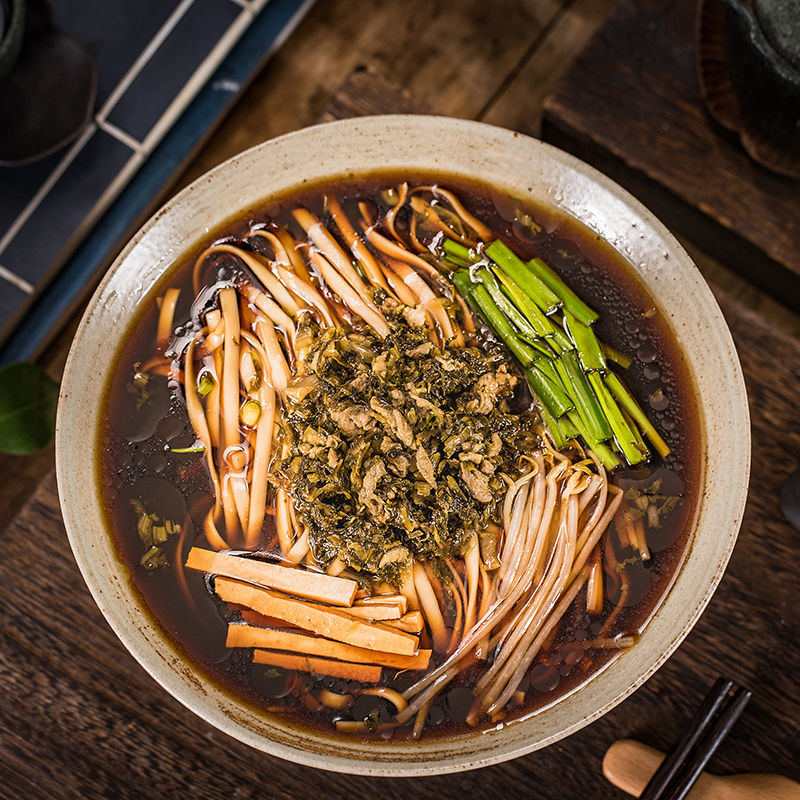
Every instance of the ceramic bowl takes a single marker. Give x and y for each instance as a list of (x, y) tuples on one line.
[(524, 167), (12, 32), (762, 63)]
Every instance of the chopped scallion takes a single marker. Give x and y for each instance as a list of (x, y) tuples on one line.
[(205, 383), (629, 404), (569, 299), (614, 355), (553, 428), (548, 391), (195, 448), (629, 442), (561, 357), (503, 303), (476, 293), (534, 287), (585, 401), (459, 251), (606, 455), (591, 355), (539, 322)]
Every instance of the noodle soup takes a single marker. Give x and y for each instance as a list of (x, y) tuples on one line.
[(398, 457)]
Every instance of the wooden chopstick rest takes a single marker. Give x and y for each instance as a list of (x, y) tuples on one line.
[(629, 765)]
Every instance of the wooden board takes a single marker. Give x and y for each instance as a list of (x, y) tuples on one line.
[(365, 91), (630, 104), (79, 718), (452, 57)]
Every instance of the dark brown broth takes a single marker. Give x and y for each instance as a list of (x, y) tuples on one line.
[(136, 461)]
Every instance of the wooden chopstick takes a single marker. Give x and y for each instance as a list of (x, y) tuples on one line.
[(676, 757), (709, 743), (713, 721)]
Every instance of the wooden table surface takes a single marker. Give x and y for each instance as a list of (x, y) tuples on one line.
[(695, 175), (79, 718)]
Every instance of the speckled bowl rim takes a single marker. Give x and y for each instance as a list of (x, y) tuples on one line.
[(525, 167)]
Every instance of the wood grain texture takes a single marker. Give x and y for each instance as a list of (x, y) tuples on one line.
[(631, 105), (452, 57), (363, 92), (519, 105), (80, 718)]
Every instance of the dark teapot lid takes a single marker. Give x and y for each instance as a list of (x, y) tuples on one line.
[(780, 21)]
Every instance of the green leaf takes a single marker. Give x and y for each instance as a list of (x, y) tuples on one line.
[(28, 400)]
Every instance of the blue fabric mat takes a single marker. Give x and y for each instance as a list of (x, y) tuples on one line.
[(58, 299)]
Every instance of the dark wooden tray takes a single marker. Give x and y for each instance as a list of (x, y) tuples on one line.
[(80, 718), (631, 105)]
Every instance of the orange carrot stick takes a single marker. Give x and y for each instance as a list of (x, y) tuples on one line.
[(383, 599), (247, 636), (319, 666), (328, 622), (303, 583), (376, 611), (413, 622), (259, 620)]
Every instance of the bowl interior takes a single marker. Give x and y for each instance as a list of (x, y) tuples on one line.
[(526, 168)]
